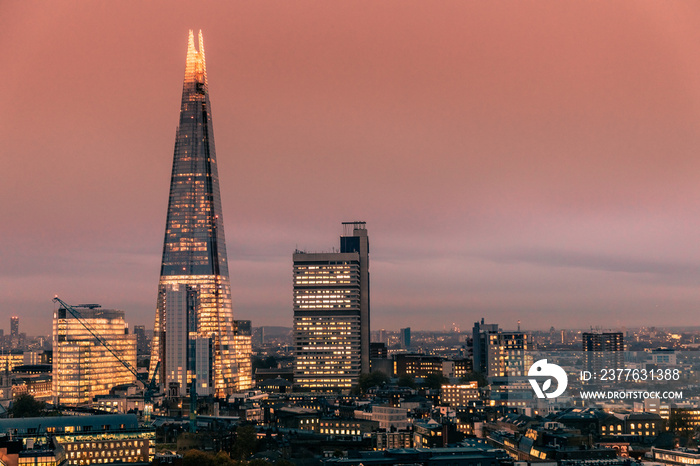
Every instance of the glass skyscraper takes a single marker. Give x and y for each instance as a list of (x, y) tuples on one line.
[(194, 333)]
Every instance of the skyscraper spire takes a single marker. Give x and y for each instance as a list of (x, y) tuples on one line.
[(194, 335)]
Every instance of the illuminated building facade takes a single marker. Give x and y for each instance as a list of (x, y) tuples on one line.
[(506, 354), (195, 265), (86, 440), (14, 332), (459, 395), (331, 313), (417, 365), (498, 353), (82, 366), (243, 344)]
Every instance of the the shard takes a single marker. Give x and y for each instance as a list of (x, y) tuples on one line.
[(194, 328)]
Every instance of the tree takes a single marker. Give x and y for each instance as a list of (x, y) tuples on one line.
[(26, 406), (407, 381), (197, 458), (268, 363), (246, 442), (373, 379), (434, 380)]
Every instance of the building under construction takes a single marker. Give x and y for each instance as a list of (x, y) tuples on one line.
[(85, 366)]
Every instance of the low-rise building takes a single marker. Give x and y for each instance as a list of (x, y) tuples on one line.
[(417, 365), (394, 440), (87, 440), (459, 395)]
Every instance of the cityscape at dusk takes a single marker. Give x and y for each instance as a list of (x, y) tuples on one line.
[(522, 161), (427, 234)]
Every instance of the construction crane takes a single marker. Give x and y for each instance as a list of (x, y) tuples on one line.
[(149, 387)]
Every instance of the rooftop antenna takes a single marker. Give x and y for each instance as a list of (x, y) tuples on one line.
[(518, 325)]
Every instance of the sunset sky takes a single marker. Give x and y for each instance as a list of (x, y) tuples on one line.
[(532, 160)]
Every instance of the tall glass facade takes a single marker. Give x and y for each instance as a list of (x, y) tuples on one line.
[(194, 249), (82, 366)]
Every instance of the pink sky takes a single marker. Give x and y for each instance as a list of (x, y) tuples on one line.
[(533, 160)]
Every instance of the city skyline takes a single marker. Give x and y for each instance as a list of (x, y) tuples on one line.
[(514, 161)]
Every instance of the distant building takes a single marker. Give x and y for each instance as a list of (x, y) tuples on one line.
[(507, 354), (684, 420), (663, 357), (14, 332), (5, 389), (390, 417), (331, 314), (456, 368), (680, 456), (142, 346), (459, 395), (498, 353), (394, 440), (405, 337), (603, 351), (11, 359), (653, 406), (82, 366), (480, 344), (417, 365), (378, 350), (243, 344), (379, 359), (429, 434), (462, 367)]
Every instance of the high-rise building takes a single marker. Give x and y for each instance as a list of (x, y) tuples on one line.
[(194, 315), (603, 351), (506, 354), (405, 337), (14, 326), (141, 340), (14, 332), (480, 344), (243, 343), (82, 366), (498, 353), (331, 313)]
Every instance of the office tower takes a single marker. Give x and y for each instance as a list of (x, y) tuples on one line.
[(498, 353), (405, 337), (14, 326), (506, 354), (603, 351), (14, 332), (480, 347), (195, 266), (141, 340), (331, 313), (82, 366), (243, 344)]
